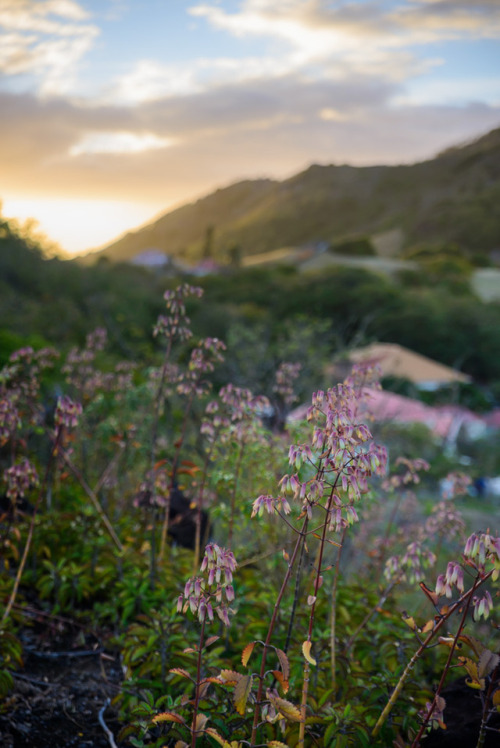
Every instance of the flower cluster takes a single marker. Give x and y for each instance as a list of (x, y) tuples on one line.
[(336, 461), (482, 606), (409, 473), (21, 379), (211, 592), (67, 412), (19, 479), (444, 519), (454, 577), (286, 375), (482, 547), (455, 484), (409, 567), (176, 323), (9, 418), (202, 361)]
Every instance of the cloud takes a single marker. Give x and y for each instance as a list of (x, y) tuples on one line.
[(45, 39), (269, 128), (315, 29), (119, 142)]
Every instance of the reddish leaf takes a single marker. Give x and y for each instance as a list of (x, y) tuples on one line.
[(168, 717), (211, 640), (285, 666), (281, 680), (245, 655), (229, 676), (180, 671)]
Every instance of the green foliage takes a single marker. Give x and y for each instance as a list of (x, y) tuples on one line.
[(360, 247), (318, 596)]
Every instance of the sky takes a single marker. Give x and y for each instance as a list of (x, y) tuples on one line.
[(114, 111)]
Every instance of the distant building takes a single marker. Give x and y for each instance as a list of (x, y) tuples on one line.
[(205, 267), (396, 361), (152, 258), (446, 422)]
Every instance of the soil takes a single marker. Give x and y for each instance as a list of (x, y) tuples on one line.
[(462, 716), (61, 696)]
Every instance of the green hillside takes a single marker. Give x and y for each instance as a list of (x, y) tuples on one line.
[(453, 197)]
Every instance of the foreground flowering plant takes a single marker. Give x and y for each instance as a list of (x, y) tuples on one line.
[(463, 586), (205, 594)]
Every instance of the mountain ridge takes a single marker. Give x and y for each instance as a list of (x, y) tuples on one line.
[(448, 198)]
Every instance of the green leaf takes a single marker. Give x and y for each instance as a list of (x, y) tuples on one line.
[(241, 693)]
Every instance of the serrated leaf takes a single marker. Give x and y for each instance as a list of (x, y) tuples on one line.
[(215, 735), (211, 679), (201, 721), (245, 655), (474, 680), (188, 650), (474, 644), (211, 640), (410, 621), (276, 744), (281, 680), (241, 693), (495, 699), (168, 717), (286, 708), (126, 732), (285, 665), (180, 671), (229, 676), (487, 663), (306, 651)]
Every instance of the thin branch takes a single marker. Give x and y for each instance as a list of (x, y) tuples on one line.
[(110, 736)]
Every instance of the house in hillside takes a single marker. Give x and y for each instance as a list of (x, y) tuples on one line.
[(208, 266), (395, 361), (446, 422), (152, 258), (160, 262)]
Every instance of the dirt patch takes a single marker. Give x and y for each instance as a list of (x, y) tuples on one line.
[(67, 681)]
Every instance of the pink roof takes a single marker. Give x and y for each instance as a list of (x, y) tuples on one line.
[(444, 421)]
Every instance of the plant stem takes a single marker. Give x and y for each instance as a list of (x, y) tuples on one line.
[(97, 505), (486, 707), (428, 716), (20, 570), (333, 617), (383, 597), (233, 495), (295, 599), (423, 646), (298, 544), (303, 704), (197, 539), (175, 464), (197, 687)]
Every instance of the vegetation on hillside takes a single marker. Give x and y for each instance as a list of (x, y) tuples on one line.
[(451, 198)]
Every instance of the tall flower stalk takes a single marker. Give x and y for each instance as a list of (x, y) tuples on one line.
[(330, 475)]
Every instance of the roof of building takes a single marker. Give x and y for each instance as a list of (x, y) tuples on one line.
[(396, 361), (382, 406)]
